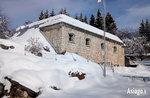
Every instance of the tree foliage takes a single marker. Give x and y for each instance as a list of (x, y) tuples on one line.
[(85, 19), (46, 15), (61, 11), (111, 26), (42, 16), (92, 20), (52, 13), (144, 29), (64, 11), (99, 20), (137, 45), (124, 34), (76, 17), (81, 17), (4, 22)]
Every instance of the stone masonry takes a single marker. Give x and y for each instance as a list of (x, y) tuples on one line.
[(58, 34)]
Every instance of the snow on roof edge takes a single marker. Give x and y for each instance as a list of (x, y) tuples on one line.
[(69, 20)]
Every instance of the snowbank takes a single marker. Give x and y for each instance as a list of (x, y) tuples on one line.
[(42, 73)]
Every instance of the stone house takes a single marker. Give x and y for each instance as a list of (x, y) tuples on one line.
[(71, 35)]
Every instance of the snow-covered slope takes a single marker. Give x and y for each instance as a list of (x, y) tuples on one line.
[(42, 73), (24, 34)]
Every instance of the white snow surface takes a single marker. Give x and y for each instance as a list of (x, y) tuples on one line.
[(139, 71), (41, 73)]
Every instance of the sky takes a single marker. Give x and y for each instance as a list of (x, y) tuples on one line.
[(128, 14)]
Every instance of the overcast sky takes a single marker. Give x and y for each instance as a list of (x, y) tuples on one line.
[(127, 13)]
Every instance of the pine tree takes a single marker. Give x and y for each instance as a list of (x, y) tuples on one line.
[(85, 19), (61, 11), (65, 12), (110, 24), (81, 17), (92, 20), (142, 29), (99, 20), (41, 16), (46, 14), (147, 30), (146, 25), (76, 17), (52, 13)]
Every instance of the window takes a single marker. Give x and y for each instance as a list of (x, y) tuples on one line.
[(87, 41), (71, 37), (115, 49), (102, 46)]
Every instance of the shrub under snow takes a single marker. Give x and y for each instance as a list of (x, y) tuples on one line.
[(34, 46)]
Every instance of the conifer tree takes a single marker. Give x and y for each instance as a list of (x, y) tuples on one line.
[(52, 13), (92, 20), (147, 25), (99, 20), (81, 17), (142, 29), (41, 16), (147, 30), (110, 24), (85, 19), (65, 12), (76, 17), (61, 11), (46, 14)]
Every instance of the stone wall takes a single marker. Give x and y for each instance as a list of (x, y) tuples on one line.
[(59, 36), (54, 33)]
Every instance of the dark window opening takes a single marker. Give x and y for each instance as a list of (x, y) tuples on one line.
[(115, 49), (87, 41), (102, 46), (71, 37)]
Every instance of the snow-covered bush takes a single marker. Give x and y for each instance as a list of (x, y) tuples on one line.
[(4, 22), (136, 45), (34, 46)]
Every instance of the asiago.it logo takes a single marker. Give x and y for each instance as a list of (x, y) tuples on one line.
[(136, 91)]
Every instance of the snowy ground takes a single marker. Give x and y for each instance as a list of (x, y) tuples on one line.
[(40, 73), (140, 70)]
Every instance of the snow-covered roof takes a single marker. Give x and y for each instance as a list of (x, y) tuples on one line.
[(71, 21), (79, 24)]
